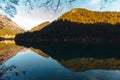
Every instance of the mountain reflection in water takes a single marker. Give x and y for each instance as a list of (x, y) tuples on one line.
[(58, 62)]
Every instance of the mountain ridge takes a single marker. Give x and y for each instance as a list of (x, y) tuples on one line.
[(80, 15)]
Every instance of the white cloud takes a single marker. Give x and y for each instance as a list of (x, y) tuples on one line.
[(94, 1)]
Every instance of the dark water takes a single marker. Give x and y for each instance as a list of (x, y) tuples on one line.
[(58, 62)]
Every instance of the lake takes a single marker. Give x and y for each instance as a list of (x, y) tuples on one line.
[(58, 62)]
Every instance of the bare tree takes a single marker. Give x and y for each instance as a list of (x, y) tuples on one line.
[(9, 6), (58, 5)]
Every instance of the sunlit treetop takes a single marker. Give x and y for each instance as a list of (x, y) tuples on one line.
[(9, 6)]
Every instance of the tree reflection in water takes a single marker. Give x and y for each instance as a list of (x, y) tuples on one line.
[(75, 57), (81, 58)]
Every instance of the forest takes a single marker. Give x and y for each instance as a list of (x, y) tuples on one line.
[(96, 28)]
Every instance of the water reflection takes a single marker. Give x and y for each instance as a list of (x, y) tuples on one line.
[(60, 62), (8, 49), (39, 52), (78, 58)]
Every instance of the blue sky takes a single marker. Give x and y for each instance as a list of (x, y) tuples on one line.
[(27, 20)]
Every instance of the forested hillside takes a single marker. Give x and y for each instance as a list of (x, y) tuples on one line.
[(79, 26), (79, 15)]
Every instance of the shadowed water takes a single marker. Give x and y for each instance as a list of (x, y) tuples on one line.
[(58, 62)]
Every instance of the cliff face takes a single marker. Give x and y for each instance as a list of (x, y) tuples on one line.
[(8, 29)]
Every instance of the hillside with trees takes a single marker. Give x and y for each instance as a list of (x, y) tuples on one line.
[(40, 26), (8, 29), (96, 28), (79, 15)]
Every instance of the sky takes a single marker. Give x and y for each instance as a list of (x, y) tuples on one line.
[(28, 20)]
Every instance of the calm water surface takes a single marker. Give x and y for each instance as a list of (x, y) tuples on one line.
[(36, 64)]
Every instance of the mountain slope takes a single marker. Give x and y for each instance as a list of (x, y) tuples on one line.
[(85, 16), (39, 27), (8, 28)]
